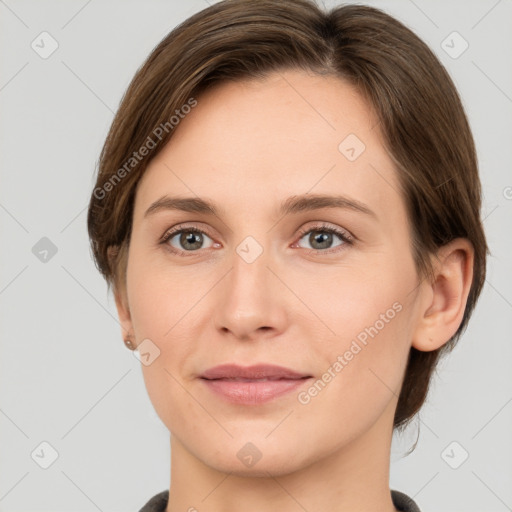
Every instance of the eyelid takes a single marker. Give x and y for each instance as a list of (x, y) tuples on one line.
[(184, 226), (324, 226)]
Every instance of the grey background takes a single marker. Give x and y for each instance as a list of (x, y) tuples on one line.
[(66, 377)]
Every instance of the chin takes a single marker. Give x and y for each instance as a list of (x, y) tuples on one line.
[(257, 459)]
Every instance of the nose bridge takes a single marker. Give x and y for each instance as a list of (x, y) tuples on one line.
[(250, 299), (250, 275), (250, 250)]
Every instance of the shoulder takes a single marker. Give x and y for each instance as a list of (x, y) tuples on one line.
[(403, 502), (157, 503)]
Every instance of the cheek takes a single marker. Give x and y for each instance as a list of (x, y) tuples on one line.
[(349, 300), (365, 314), (165, 307), (363, 365), (160, 297)]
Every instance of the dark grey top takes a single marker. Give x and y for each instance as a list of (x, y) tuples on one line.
[(401, 501)]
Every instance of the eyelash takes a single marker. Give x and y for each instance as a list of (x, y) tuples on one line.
[(344, 236)]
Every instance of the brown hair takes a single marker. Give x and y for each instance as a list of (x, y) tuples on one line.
[(421, 118)]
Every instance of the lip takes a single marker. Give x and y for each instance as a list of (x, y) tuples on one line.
[(244, 384), (257, 371)]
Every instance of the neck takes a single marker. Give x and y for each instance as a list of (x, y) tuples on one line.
[(353, 478)]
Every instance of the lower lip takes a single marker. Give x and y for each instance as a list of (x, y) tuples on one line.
[(255, 392)]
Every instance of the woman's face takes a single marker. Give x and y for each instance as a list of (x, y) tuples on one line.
[(265, 281)]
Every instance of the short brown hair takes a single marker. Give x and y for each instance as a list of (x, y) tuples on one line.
[(421, 118)]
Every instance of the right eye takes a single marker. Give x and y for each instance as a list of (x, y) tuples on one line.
[(188, 239)]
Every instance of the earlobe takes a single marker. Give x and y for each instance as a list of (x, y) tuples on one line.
[(445, 300)]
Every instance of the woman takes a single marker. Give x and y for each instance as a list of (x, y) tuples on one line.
[(288, 210)]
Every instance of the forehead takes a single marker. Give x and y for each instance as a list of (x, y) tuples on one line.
[(255, 143)]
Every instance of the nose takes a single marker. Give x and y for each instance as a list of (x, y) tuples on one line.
[(251, 300)]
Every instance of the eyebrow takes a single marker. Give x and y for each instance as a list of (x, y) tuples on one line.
[(292, 205)]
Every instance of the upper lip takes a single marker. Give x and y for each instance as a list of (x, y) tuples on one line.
[(258, 371)]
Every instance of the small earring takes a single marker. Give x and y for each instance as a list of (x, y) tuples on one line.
[(129, 344)]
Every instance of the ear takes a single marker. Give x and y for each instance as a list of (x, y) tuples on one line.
[(444, 299), (123, 312), (117, 258)]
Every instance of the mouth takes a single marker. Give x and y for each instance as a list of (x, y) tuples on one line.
[(241, 379), (254, 384), (252, 373)]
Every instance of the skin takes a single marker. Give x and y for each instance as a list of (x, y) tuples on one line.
[(291, 306)]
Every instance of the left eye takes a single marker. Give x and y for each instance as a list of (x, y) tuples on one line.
[(323, 238)]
